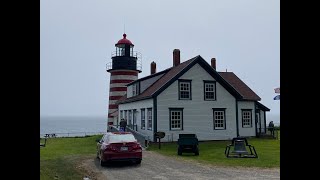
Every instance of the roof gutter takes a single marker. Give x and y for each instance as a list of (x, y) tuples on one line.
[(134, 99)]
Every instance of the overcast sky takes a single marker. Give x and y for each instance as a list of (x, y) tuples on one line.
[(78, 36)]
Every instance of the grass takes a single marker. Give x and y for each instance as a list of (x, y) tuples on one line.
[(212, 152), (61, 155)]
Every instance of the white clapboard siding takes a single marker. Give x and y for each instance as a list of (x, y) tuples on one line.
[(246, 131), (148, 103), (129, 91), (197, 113)]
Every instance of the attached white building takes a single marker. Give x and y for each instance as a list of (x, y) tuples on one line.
[(192, 97)]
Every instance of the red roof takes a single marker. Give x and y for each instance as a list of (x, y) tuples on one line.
[(160, 82), (231, 81), (240, 86), (124, 40)]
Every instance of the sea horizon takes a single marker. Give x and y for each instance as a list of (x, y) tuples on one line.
[(72, 124), (63, 124)]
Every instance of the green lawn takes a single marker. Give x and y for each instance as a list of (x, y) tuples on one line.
[(60, 156), (212, 152)]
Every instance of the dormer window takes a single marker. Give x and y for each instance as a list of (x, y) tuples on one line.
[(134, 89)]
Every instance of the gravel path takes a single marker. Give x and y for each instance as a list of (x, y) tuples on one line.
[(157, 166)]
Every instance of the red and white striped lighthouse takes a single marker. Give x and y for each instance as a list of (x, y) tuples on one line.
[(124, 68)]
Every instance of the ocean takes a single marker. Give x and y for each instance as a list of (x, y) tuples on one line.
[(72, 126)]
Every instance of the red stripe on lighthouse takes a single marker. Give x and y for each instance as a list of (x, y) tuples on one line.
[(118, 89), (113, 106), (124, 73), (121, 81), (114, 97)]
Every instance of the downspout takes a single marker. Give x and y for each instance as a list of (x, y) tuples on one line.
[(237, 121), (154, 118)]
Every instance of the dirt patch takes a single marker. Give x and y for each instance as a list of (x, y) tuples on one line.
[(88, 167)]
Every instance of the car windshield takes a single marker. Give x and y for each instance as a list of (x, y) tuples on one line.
[(121, 138)]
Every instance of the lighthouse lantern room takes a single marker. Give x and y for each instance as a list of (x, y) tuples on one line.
[(124, 68)]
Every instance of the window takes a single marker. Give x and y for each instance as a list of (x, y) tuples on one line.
[(134, 117), (246, 118), (121, 114), (176, 118), (219, 118), (134, 89), (184, 89), (149, 116), (143, 119), (125, 115), (209, 90), (122, 50), (130, 117)]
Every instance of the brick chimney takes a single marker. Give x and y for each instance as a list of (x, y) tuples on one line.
[(153, 67), (176, 57), (213, 63)]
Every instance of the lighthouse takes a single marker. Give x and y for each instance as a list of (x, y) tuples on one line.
[(124, 68)]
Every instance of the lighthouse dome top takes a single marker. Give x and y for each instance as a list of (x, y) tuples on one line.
[(124, 40)]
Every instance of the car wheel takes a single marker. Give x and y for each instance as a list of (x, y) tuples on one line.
[(197, 152), (179, 151), (102, 163), (138, 161)]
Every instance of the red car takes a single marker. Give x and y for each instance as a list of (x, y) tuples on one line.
[(118, 146)]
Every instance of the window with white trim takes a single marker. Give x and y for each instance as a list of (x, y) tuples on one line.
[(209, 91), (247, 118), (130, 117), (149, 116), (219, 118), (134, 117), (125, 115), (143, 118), (176, 118), (133, 89), (121, 114), (185, 89)]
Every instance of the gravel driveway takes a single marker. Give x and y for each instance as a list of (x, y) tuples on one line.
[(157, 166)]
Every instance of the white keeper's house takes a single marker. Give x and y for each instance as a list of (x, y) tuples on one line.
[(192, 97)]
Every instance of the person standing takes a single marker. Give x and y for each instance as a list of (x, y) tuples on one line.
[(271, 128), (123, 124)]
